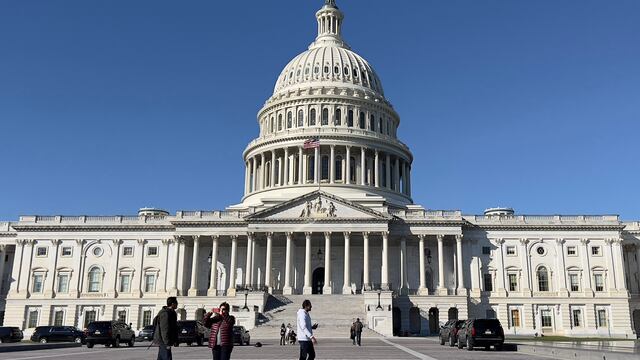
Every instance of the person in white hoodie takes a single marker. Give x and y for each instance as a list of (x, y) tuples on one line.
[(305, 332)]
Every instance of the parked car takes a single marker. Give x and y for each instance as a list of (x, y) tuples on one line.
[(45, 334), (192, 331), (449, 332), (241, 335), (146, 334), (481, 332), (109, 333), (10, 334)]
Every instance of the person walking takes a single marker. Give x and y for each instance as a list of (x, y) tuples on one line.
[(221, 337), (353, 332), (305, 332), (357, 328), (165, 329), (283, 335)]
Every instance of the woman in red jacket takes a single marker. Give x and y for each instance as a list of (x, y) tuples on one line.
[(221, 338)]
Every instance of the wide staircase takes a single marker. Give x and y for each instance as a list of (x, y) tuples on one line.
[(333, 313)]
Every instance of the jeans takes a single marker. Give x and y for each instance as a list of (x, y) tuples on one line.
[(222, 352), (282, 340), (164, 353), (307, 351), (358, 338)]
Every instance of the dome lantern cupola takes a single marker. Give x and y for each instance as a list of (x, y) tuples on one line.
[(329, 26)]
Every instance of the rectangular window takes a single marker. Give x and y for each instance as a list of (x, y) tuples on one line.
[(89, 316), (571, 251), (146, 318), (33, 318), (67, 251), (125, 283), (63, 284), (37, 283), (513, 282), (576, 315), (150, 283), (511, 250), (41, 251), (58, 318), (127, 251), (486, 250), (122, 315), (152, 251), (595, 251), (545, 316), (515, 317), (574, 282), (598, 279), (488, 282), (602, 318)]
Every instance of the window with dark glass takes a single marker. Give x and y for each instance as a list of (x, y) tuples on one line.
[(338, 119), (488, 282), (350, 118), (289, 120), (338, 167), (362, 124), (312, 117), (372, 123), (325, 168), (300, 118), (325, 117), (543, 279), (280, 122)]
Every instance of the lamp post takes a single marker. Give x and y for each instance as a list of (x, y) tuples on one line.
[(246, 294), (379, 307)]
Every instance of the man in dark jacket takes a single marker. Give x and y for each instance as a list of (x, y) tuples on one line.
[(357, 329), (221, 337), (165, 332)]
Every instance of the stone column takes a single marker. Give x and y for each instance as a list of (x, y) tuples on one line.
[(17, 265), (167, 245), (384, 277), (316, 163), (442, 290), (388, 169), (286, 164), (328, 283), (272, 180), (408, 179), (377, 169), (461, 287), (348, 166), (247, 273), (232, 268), (618, 261), (346, 286), (332, 165), (50, 289), (263, 172), (267, 266), (365, 263), (588, 289), (247, 175), (254, 180), (213, 280), (301, 175), (137, 292), (396, 175), (562, 269), (403, 265), (422, 290), (287, 290), (525, 266), (363, 166), (113, 290), (500, 273), (193, 290), (611, 276), (405, 177), (177, 240), (26, 269), (307, 264)]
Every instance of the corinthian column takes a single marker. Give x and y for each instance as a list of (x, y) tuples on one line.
[(287, 290), (346, 287), (286, 163), (377, 169), (327, 264), (363, 166), (272, 180), (365, 262), (193, 290), (307, 264), (232, 268), (247, 273), (461, 289), (332, 165), (301, 176), (422, 290), (348, 166), (267, 267), (385, 262), (441, 287), (213, 280)]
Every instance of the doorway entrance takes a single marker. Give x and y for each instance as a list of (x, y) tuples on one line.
[(317, 281)]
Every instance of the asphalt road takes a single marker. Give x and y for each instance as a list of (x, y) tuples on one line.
[(334, 349)]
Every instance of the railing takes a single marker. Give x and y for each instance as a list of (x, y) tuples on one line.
[(225, 214), (544, 219), (252, 288), (426, 214), (93, 219)]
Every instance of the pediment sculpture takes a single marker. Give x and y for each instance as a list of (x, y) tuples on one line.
[(318, 209)]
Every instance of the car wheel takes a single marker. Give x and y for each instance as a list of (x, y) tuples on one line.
[(441, 340), (460, 346), (469, 344), (77, 340), (43, 340), (89, 345), (200, 341), (452, 341), (248, 342), (1, 340), (116, 342), (131, 342)]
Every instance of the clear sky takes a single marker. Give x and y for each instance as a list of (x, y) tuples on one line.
[(109, 106)]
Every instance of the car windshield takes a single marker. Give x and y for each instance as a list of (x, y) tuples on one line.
[(99, 325), (148, 327), (238, 328), (483, 324)]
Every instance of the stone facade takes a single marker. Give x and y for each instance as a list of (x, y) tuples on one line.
[(327, 209)]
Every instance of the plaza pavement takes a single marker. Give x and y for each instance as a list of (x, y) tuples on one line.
[(333, 349)]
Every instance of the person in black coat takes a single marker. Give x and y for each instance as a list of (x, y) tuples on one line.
[(165, 332)]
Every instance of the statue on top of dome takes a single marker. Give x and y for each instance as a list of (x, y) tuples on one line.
[(331, 3)]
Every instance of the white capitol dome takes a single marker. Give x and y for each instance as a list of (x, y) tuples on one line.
[(331, 95)]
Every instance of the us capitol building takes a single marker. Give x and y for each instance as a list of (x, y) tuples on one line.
[(327, 209)]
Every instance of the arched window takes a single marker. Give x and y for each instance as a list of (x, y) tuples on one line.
[(289, 120), (338, 120), (362, 124), (312, 117), (372, 123), (338, 167), (350, 118), (352, 169), (325, 168), (380, 125), (280, 122), (543, 279), (325, 117), (346, 70), (95, 280), (271, 125), (300, 118)]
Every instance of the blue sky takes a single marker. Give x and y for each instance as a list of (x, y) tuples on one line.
[(109, 106)]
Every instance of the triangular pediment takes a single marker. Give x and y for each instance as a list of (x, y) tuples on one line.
[(318, 206)]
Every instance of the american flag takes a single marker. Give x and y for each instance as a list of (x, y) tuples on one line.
[(312, 143)]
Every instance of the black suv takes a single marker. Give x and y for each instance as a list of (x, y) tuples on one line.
[(241, 335), (109, 333), (192, 331), (146, 333), (45, 334), (449, 332), (10, 334), (481, 332)]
